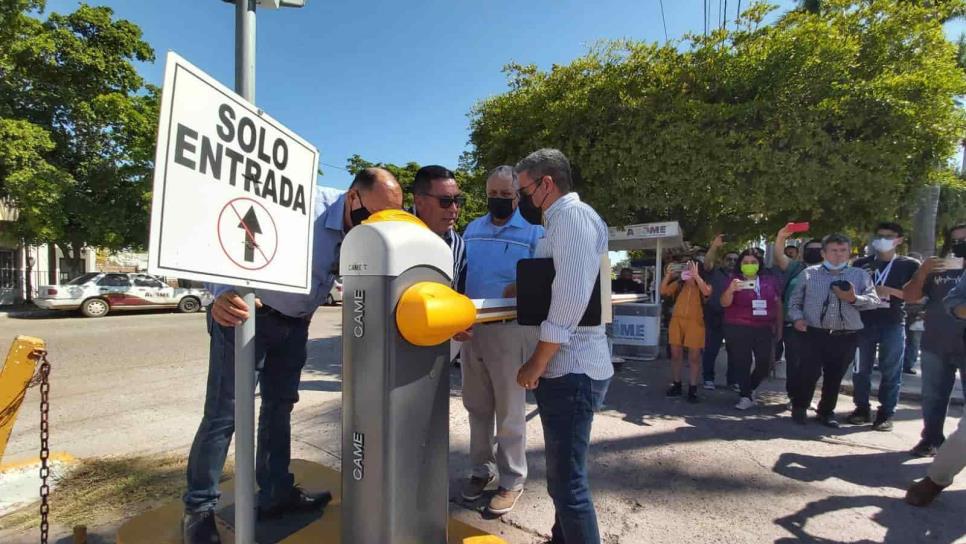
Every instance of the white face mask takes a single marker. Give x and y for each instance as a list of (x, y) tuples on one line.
[(883, 245)]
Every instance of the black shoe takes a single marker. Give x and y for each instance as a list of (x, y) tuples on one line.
[(923, 449), (859, 416), (200, 528), (693, 394), (298, 500), (798, 416), (882, 423), (910, 371), (828, 420), (675, 390)]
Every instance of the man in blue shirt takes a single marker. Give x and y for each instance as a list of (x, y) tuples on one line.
[(496, 351), (281, 331)]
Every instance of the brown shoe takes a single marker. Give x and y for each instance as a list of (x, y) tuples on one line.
[(474, 487), (923, 492), (504, 501)]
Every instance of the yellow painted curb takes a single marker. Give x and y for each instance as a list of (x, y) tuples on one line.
[(55, 457)]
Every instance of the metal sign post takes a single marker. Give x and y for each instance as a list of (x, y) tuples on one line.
[(245, 333)]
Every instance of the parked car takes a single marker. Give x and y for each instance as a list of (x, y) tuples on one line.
[(98, 293), (335, 294)]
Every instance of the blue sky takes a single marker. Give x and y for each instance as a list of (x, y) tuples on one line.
[(393, 80)]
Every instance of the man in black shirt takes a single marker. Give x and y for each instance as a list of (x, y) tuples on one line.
[(625, 283), (884, 328)]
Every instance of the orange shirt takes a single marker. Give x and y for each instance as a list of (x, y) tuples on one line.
[(689, 304)]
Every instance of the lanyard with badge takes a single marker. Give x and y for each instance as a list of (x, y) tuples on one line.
[(880, 279), (759, 306)]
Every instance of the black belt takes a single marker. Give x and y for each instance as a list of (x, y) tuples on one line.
[(268, 310), (831, 332)]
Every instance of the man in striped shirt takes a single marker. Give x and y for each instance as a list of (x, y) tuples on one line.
[(571, 367), (437, 201)]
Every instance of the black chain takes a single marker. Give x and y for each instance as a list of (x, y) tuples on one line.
[(44, 447)]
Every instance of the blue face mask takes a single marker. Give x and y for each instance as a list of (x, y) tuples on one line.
[(831, 266)]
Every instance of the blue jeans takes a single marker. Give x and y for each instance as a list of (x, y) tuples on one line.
[(280, 352), (891, 340), (911, 355), (938, 379), (567, 405), (713, 337)]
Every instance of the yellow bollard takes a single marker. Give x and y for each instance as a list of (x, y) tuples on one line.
[(15, 376)]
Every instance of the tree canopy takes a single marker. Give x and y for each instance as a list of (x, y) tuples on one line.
[(835, 117), (77, 126)]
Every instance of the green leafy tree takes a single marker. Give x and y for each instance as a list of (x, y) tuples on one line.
[(472, 183), (835, 118), (77, 127)]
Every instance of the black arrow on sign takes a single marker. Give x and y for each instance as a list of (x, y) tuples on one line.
[(251, 226)]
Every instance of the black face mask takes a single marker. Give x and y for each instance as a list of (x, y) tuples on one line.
[(530, 211), (959, 249), (358, 215), (812, 255), (500, 208)]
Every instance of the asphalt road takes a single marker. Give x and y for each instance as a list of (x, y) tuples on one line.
[(661, 470)]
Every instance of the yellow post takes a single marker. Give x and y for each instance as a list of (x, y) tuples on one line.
[(15, 376)]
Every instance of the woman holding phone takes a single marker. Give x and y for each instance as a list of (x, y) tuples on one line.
[(752, 323)]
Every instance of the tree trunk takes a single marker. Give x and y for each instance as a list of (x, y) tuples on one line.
[(924, 221)]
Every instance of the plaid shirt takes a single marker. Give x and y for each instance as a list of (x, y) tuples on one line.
[(813, 299)]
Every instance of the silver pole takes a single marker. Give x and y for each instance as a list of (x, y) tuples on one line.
[(245, 333)]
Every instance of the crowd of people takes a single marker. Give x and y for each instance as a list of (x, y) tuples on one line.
[(815, 306)]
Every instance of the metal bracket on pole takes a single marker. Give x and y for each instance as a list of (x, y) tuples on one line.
[(245, 333)]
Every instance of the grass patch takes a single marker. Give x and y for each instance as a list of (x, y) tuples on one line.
[(105, 490)]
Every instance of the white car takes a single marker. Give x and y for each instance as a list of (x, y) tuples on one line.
[(98, 293), (335, 294)]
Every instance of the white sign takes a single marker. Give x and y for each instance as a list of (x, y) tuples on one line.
[(635, 330), (233, 189), (645, 231)]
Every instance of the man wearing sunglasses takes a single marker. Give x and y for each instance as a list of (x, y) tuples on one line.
[(437, 201), (570, 369)]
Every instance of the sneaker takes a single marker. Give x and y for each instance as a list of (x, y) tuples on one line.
[(882, 423), (923, 449), (475, 486), (709, 385), (735, 387), (827, 420), (693, 394), (504, 501), (859, 416), (200, 528), (923, 492), (745, 403), (798, 416), (675, 390), (910, 371)]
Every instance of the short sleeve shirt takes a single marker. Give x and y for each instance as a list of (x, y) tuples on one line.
[(895, 274)]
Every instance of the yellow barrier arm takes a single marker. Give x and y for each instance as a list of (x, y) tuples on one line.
[(18, 369)]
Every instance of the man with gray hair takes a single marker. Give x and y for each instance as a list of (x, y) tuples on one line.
[(496, 351), (570, 369)]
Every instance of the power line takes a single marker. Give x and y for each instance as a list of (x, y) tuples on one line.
[(333, 166), (705, 10), (663, 20)]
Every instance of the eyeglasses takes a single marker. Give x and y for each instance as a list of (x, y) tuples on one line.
[(536, 183), (447, 201)]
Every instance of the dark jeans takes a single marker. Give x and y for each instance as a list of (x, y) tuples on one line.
[(280, 354), (938, 379), (713, 337), (743, 343), (567, 405), (793, 341), (891, 341), (827, 356), (911, 354)]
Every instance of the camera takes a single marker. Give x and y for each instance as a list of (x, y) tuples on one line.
[(842, 284)]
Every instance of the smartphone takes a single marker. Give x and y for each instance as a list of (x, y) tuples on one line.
[(685, 275), (679, 267), (748, 284), (797, 227)]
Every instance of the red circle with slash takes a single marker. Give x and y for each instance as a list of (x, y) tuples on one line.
[(243, 214)]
